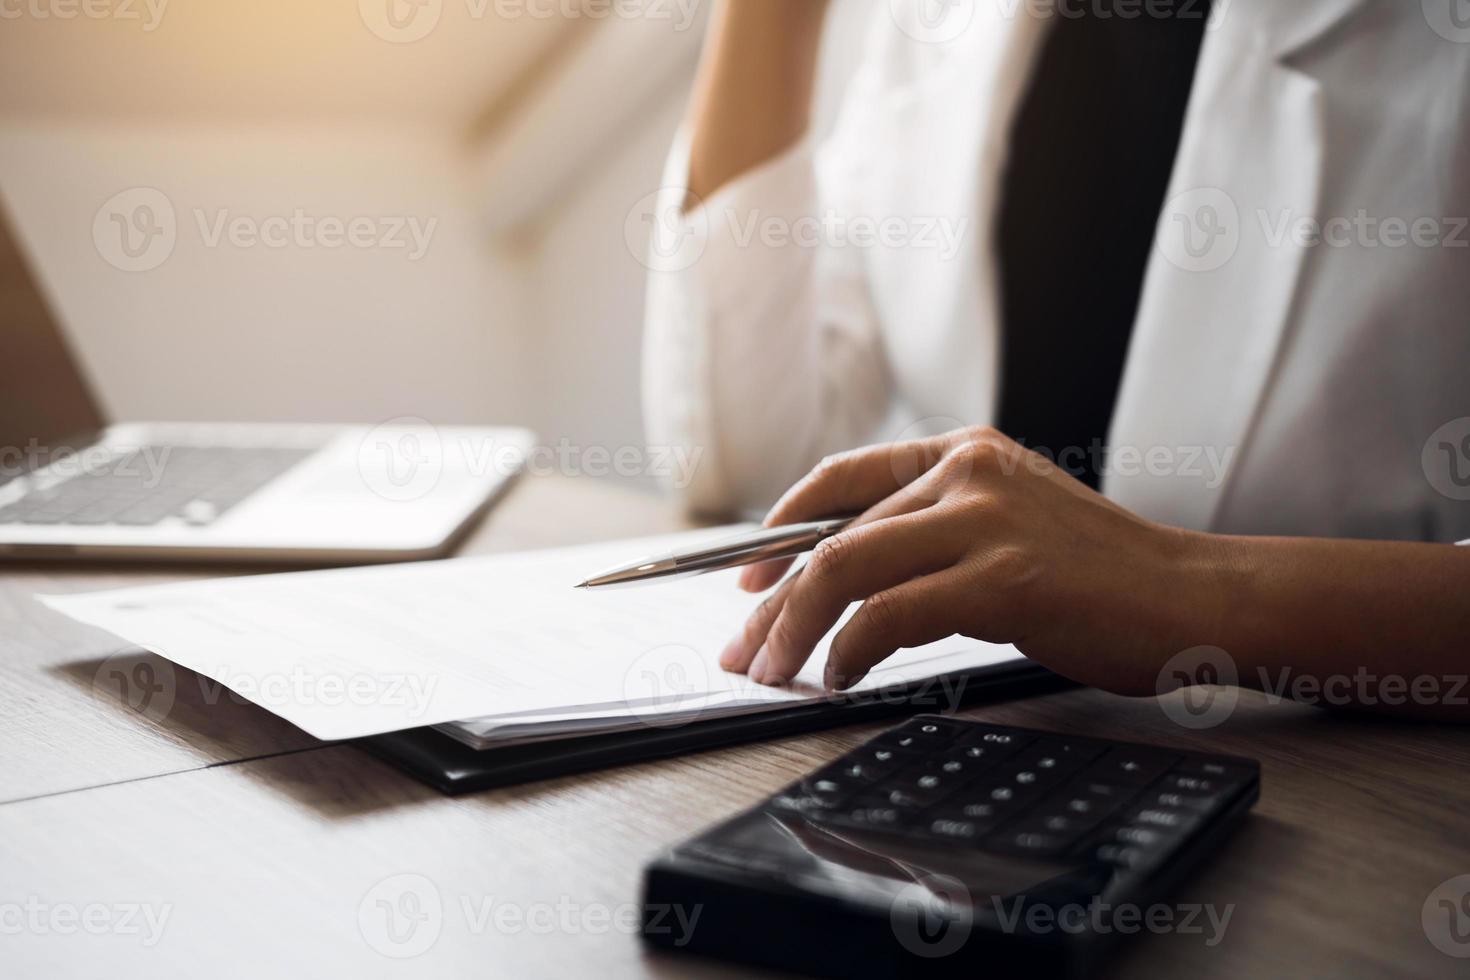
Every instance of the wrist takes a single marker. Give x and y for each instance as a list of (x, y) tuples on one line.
[(1207, 582), (1223, 570)]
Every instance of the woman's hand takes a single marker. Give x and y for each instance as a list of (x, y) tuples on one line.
[(971, 533)]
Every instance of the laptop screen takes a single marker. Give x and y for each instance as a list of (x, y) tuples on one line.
[(45, 403)]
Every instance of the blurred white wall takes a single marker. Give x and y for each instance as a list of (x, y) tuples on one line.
[(524, 141), (246, 329), (586, 282)]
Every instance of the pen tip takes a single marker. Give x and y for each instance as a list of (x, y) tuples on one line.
[(581, 585)]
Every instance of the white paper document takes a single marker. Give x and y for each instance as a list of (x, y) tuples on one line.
[(495, 650)]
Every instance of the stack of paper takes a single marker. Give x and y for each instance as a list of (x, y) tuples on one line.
[(494, 651)]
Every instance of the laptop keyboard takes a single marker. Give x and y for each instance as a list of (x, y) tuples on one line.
[(147, 486)]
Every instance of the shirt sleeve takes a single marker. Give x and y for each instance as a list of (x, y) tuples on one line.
[(761, 346)]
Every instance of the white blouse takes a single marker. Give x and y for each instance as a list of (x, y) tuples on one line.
[(1293, 369)]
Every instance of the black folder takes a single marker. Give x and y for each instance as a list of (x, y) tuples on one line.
[(453, 767)]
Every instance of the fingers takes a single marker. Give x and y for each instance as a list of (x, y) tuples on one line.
[(856, 480), (738, 655), (845, 568), (917, 612), (758, 578)]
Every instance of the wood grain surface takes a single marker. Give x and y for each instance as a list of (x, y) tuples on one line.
[(264, 852)]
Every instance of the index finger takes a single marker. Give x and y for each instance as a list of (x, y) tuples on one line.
[(863, 480), (854, 481)]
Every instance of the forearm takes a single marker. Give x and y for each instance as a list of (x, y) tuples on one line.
[(752, 98), (1379, 625)]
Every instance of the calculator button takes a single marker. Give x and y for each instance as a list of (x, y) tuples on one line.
[(950, 828), (1214, 770), (997, 739), (1078, 802), (937, 727), (1001, 792), (969, 821), (1032, 838), (862, 772), (978, 811), (1056, 816), (1183, 801), (910, 740), (1162, 818), (1058, 756), (980, 755), (1123, 855), (1101, 790), (816, 792), (957, 768), (1198, 785), (1140, 836), (884, 757), (873, 815), (1135, 768), (929, 786)]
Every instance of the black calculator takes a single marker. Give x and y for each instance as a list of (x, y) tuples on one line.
[(952, 848)]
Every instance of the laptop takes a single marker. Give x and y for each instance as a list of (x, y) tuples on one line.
[(74, 486)]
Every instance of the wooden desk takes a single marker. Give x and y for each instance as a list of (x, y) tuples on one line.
[(261, 846)]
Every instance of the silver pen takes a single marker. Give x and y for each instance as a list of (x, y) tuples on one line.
[(764, 544)]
